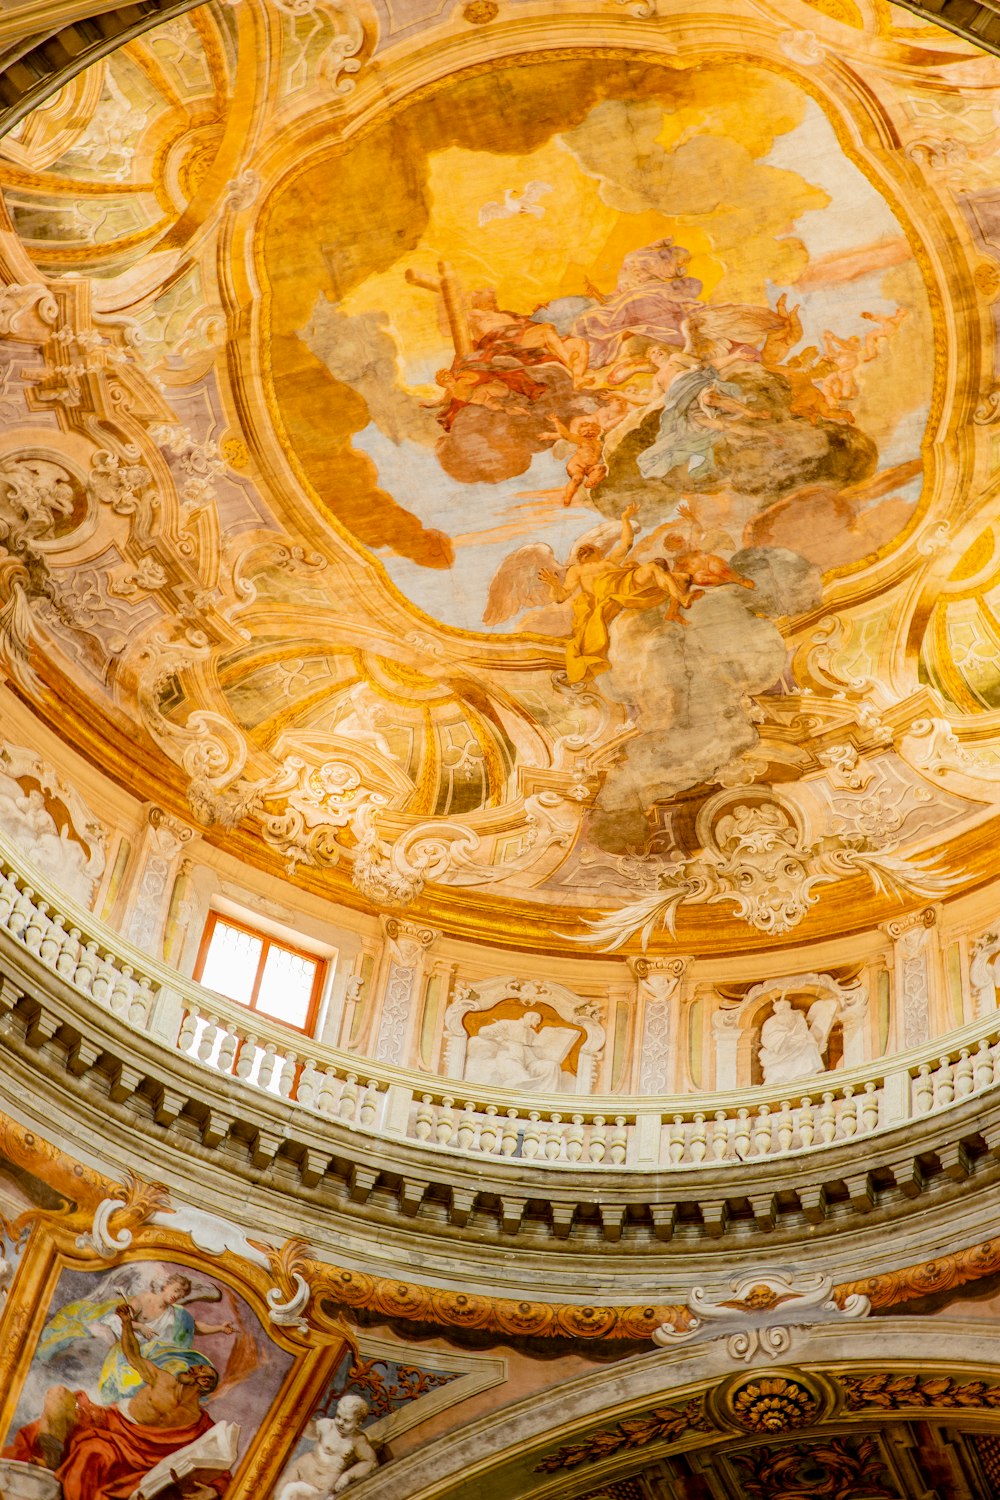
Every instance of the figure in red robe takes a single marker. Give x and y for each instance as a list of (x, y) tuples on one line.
[(104, 1452)]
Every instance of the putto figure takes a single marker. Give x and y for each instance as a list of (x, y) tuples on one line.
[(340, 1456)]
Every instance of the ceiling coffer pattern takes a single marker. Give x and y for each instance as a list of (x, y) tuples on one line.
[(550, 543)]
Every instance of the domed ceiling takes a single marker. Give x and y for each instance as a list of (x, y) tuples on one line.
[(534, 468)]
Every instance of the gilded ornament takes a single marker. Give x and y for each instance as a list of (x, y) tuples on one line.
[(772, 1403)]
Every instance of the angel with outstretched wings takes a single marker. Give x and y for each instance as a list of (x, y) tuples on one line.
[(159, 1308), (601, 579), (521, 583)]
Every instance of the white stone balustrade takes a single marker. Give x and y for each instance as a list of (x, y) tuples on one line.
[(654, 1133)]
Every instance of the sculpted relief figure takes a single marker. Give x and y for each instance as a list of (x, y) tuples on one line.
[(792, 1045), (517, 1054), (340, 1455)]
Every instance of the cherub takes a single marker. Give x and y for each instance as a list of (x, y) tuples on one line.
[(490, 388), (341, 1455), (586, 466), (691, 566)]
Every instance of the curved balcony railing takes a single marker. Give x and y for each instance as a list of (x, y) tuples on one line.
[(644, 1133)]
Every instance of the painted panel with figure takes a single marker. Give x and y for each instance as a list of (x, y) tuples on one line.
[(152, 1378)]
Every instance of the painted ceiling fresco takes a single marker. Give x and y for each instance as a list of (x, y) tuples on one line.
[(539, 471)]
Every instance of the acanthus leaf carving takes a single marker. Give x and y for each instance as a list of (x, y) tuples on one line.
[(757, 858)]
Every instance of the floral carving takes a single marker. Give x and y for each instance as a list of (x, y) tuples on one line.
[(885, 1392), (664, 1425), (838, 1469), (773, 1403)]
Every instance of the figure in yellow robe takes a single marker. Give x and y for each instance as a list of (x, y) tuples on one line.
[(601, 587)]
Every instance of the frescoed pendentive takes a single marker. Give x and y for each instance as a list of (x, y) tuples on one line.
[(142, 1371)]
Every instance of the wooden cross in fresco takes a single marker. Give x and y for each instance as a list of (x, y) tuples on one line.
[(448, 288)]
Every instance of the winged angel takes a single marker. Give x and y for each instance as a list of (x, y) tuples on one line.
[(90, 1330), (600, 578)]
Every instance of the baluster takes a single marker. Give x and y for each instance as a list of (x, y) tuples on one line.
[(143, 999), (69, 954), (465, 1131), (698, 1139), (619, 1141), (369, 1103), (246, 1057), (532, 1142), (984, 1066), (785, 1125), (188, 1031), (307, 1091), (508, 1140), (964, 1080), (36, 926), (995, 1055), (848, 1118), (265, 1073), (8, 895), (870, 1108), (52, 942), (22, 910), (805, 1122), (741, 1134), (423, 1122), (86, 968), (348, 1098), (327, 1092), (944, 1084), (446, 1122), (104, 977), (827, 1119), (285, 1075), (720, 1136), (762, 1131), (120, 999), (676, 1140), (574, 1139), (489, 1130), (598, 1147), (227, 1050), (207, 1044), (923, 1090), (553, 1141)]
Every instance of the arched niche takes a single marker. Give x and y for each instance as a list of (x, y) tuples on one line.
[(576, 1038), (842, 1009)]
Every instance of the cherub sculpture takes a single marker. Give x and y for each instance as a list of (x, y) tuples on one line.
[(340, 1455)]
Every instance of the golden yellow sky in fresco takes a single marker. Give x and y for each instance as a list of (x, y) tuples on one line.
[(599, 205)]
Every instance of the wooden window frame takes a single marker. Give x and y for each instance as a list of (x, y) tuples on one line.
[(267, 943)]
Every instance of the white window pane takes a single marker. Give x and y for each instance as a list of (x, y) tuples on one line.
[(286, 987), (231, 963)]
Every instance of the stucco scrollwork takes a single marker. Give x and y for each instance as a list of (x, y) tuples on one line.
[(758, 1317), (757, 857)]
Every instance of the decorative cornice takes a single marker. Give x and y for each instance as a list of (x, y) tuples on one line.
[(333, 1287)]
